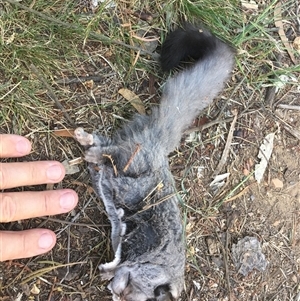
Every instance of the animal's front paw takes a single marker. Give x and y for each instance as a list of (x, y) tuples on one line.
[(107, 270), (83, 137)]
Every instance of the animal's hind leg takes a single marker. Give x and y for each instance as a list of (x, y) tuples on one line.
[(83, 137)]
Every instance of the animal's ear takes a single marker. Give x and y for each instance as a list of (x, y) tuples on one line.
[(162, 293)]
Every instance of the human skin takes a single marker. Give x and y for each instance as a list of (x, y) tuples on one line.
[(15, 206)]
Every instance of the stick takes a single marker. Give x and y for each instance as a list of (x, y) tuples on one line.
[(288, 107), (56, 220), (227, 145), (52, 290), (239, 194), (75, 217), (137, 149), (207, 125), (279, 24), (293, 132), (224, 250), (51, 94), (79, 79), (287, 127), (112, 163)]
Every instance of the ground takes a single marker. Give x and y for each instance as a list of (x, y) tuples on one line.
[(215, 219)]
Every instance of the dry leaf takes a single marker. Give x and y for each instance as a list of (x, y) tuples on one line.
[(277, 183), (213, 246), (295, 279), (276, 223), (75, 161), (89, 84), (10, 39), (64, 133), (197, 285), (279, 24), (192, 251), (35, 290), (246, 172), (282, 80), (296, 44), (133, 99), (247, 167), (249, 5), (264, 154), (70, 169), (189, 228), (219, 180)]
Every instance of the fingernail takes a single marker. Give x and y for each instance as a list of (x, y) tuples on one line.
[(54, 172), (45, 241), (67, 201), (23, 147)]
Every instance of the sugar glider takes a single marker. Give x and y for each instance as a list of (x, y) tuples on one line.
[(130, 171)]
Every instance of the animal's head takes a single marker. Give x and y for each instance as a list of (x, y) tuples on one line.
[(145, 282)]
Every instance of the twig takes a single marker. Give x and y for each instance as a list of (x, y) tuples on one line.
[(279, 24), (11, 90), (297, 297), (270, 95), (112, 162), (148, 206), (297, 16), (227, 145), (293, 132), (207, 125), (237, 88), (75, 217), (224, 250), (288, 107), (226, 264), (56, 220), (43, 271), (271, 90), (79, 79), (145, 39), (137, 149), (52, 290), (287, 127), (293, 239), (68, 258), (51, 94), (239, 194)]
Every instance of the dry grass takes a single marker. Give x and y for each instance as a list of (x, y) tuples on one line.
[(66, 40)]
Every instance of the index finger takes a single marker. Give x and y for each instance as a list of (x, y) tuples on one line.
[(13, 146)]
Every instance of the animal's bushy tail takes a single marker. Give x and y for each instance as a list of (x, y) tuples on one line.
[(191, 90)]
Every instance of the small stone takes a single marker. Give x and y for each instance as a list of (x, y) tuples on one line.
[(277, 183), (247, 255)]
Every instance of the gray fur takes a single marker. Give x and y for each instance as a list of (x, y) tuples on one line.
[(131, 174)]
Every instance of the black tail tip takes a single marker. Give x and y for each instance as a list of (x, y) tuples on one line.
[(186, 44)]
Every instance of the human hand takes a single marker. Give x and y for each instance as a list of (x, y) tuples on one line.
[(28, 204)]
